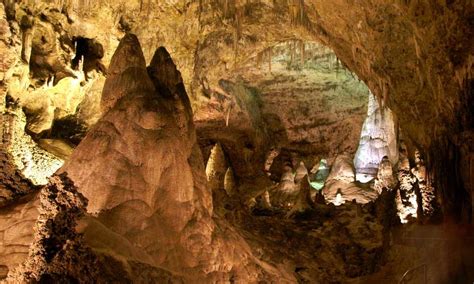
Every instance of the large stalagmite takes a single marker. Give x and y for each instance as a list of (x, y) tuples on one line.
[(143, 173), (341, 185), (377, 139)]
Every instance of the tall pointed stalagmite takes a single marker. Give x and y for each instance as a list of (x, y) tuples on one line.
[(378, 138), (126, 74), (303, 202), (143, 173), (134, 164)]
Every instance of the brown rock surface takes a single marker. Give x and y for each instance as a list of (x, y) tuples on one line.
[(154, 197), (341, 185), (17, 221)]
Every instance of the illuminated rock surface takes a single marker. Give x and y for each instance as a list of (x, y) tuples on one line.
[(341, 185), (407, 204), (57, 247), (163, 212), (17, 223), (385, 176), (377, 139), (274, 83), (33, 162), (427, 192)]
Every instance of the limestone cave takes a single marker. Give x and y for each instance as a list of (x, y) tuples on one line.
[(237, 141)]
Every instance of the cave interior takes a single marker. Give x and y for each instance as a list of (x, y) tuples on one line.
[(236, 141)]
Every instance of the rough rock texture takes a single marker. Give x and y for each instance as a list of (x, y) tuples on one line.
[(325, 244), (12, 183), (42, 78), (341, 185), (304, 202), (407, 203), (163, 212), (416, 57), (385, 176), (216, 168), (55, 251), (58, 252), (286, 192), (16, 226), (378, 139), (233, 118), (427, 202), (311, 104), (34, 163)]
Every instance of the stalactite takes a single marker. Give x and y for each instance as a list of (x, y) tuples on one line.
[(149, 8), (228, 115), (238, 21), (270, 60), (259, 60), (293, 47), (226, 8), (236, 42), (302, 53), (301, 11), (297, 13), (293, 10), (290, 46)]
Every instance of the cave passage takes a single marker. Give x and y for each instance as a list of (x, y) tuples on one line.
[(226, 141)]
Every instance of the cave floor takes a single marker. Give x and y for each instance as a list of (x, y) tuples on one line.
[(445, 252)]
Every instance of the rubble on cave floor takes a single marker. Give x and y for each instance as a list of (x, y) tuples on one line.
[(327, 244)]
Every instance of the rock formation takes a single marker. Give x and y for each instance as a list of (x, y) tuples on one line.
[(17, 221), (58, 252), (340, 185), (286, 192), (377, 139), (427, 192), (216, 168), (34, 163), (406, 200), (300, 172), (385, 177), (304, 201), (164, 207), (320, 175), (229, 182)]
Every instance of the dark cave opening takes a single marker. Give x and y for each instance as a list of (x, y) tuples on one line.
[(90, 52)]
